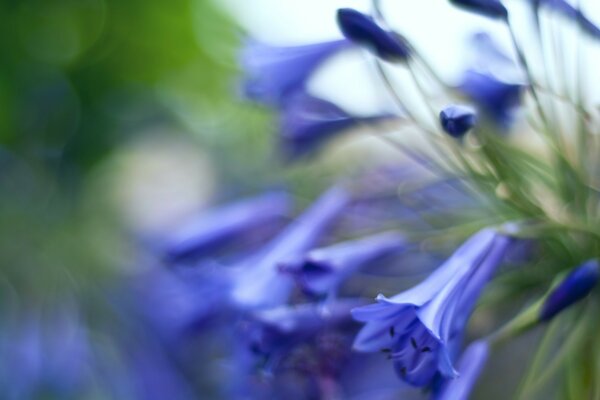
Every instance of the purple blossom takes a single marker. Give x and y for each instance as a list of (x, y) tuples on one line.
[(574, 287), (259, 283), (417, 326), (487, 8), (308, 122), (457, 120), (201, 236), (363, 30), (469, 367), (274, 72), (496, 99), (323, 270)]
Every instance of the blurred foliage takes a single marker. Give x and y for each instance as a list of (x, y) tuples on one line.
[(78, 75)]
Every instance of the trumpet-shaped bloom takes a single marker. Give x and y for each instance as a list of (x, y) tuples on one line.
[(309, 122), (469, 366), (261, 284), (495, 98), (417, 325), (362, 29), (323, 270), (578, 284), (457, 120), (274, 72), (200, 236), (487, 8)]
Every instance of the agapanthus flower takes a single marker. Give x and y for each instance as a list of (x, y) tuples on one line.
[(497, 99), (363, 30), (202, 235), (322, 271), (308, 122), (457, 120), (275, 72), (574, 287), (417, 325), (469, 366), (279, 328), (259, 283), (488, 8)]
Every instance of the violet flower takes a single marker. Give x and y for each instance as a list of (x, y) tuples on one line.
[(200, 236), (487, 8), (308, 122), (574, 287), (260, 284), (469, 367), (322, 271), (363, 30), (457, 120), (416, 326), (274, 72), (495, 98)]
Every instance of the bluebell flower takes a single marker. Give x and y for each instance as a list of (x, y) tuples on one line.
[(469, 367), (495, 98), (363, 30), (488, 8), (322, 271), (417, 325), (308, 122), (574, 287), (573, 13), (259, 283), (275, 72), (457, 120), (202, 235)]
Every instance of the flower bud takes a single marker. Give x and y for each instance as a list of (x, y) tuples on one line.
[(457, 120), (578, 284), (487, 8)]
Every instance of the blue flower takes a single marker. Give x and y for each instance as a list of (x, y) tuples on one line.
[(457, 120), (488, 8), (259, 283), (574, 14), (322, 271), (495, 98), (417, 326), (308, 122), (274, 72), (364, 31), (278, 329), (202, 235), (575, 286), (469, 366)]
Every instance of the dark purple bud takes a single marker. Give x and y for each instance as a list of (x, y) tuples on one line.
[(362, 29), (457, 120), (578, 284), (487, 8)]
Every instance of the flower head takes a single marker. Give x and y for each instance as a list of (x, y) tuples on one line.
[(322, 271), (260, 283), (308, 122), (487, 8), (362, 29), (417, 325), (274, 72)]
